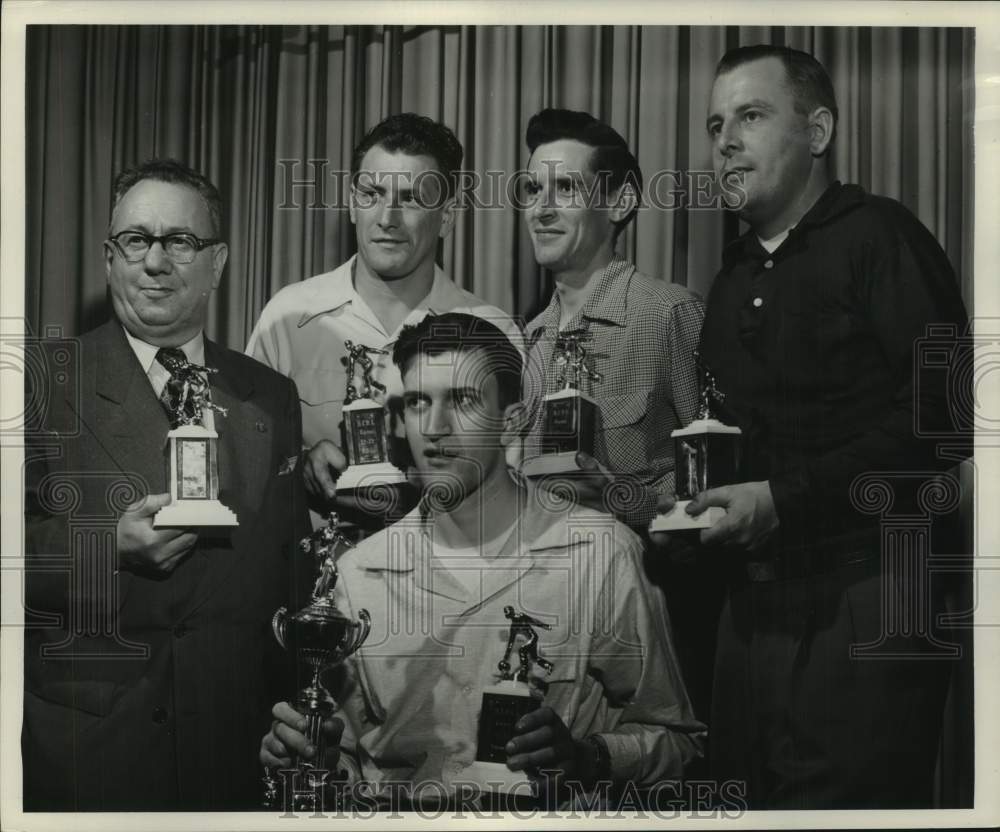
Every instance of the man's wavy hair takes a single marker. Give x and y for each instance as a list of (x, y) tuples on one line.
[(611, 160), (176, 173)]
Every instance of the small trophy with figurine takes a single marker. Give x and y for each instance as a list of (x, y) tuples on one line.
[(364, 439), (569, 416), (319, 636), (192, 451), (504, 703), (707, 454)]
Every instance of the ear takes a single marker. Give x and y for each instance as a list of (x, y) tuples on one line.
[(351, 207), (625, 202), (219, 257), (448, 216), (109, 256), (820, 130), (516, 421)]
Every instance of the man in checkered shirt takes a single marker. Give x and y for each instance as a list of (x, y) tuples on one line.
[(640, 332)]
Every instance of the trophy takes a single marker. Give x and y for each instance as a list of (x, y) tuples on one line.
[(707, 454), (192, 450), (569, 416), (364, 439), (320, 637), (504, 703)]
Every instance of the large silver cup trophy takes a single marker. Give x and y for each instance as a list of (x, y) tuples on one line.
[(319, 637)]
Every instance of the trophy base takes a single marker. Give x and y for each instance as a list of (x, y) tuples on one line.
[(546, 465), (369, 476), (677, 519), (496, 777), (182, 513)]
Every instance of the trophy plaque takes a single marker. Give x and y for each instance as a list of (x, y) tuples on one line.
[(707, 454), (569, 416), (504, 703), (319, 637), (192, 453), (364, 440)]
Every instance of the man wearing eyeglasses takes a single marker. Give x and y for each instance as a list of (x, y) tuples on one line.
[(141, 641)]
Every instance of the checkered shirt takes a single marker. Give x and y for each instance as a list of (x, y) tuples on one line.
[(642, 336)]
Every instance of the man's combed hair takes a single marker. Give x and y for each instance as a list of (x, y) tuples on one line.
[(810, 84), (459, 332), (611, 158), (414, 135), (176, 173)]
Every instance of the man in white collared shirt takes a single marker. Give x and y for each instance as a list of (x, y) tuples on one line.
[(437, 584), (402, 203)]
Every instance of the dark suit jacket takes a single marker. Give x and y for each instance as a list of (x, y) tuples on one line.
[(141, 691)]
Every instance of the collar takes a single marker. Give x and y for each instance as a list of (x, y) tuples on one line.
[(332, 290), (146, 353), (836, 200), (608, 301)]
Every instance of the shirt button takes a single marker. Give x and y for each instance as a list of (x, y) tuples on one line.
[(758, 302), (768, 264), (159, 715)]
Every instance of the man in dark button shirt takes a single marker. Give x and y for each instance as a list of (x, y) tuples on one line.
[(810, 331)]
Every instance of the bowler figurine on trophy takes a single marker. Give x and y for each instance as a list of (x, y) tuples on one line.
[(504, 703), (364, 439), (569, 416), (192, 450), (707, 454), (319, 636)]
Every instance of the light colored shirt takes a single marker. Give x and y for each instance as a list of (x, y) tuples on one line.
[(411, 696), (302, 330), (159, 375), (643, 334)]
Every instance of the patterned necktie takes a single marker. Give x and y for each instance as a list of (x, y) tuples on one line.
[(176, 363)]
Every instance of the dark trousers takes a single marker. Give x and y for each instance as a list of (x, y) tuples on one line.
[(803, 722)]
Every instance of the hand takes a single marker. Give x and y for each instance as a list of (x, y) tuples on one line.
[(750, 514), (542, 742), (286, 738), (585, 487), (323, 464), (140, 546), (679, 547)]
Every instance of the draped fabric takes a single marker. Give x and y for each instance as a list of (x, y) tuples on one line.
[(270, 114)]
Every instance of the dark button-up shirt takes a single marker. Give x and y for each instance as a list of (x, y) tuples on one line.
[(815, 347)]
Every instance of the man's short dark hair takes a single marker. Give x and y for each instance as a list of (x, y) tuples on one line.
[(611, 157), (176, 173), (414, 135), (459, 332), (809, 82)]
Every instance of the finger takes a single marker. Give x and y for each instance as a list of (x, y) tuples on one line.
[(585, 462), (269, 760), (721, 496), (294, 741), (333, 729), (148, 505), (539, 758), (325, 483), (665, 502), (538, 738), (169, 554), (535, 719), (725, 531), (284, 712), (275, 748)]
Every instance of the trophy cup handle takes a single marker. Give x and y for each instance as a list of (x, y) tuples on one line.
[(278, 625), (364, 628)]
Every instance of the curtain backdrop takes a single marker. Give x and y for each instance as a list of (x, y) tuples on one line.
[(271, 113)]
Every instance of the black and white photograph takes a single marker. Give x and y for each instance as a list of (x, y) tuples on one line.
[(471, 414)]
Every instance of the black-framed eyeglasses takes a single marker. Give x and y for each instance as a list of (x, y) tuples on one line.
[(179, 247)]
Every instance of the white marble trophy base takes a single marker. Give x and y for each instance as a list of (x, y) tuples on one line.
[(181, 513), (497, 777), (546, 465), (677, 519), (369, 476)]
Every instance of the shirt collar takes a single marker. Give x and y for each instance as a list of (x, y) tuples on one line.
[(146, 353), (837, 199), (608, 301), (331, 290)]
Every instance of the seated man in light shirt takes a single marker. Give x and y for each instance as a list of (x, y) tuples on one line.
[(402, 203), (437, 582)]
